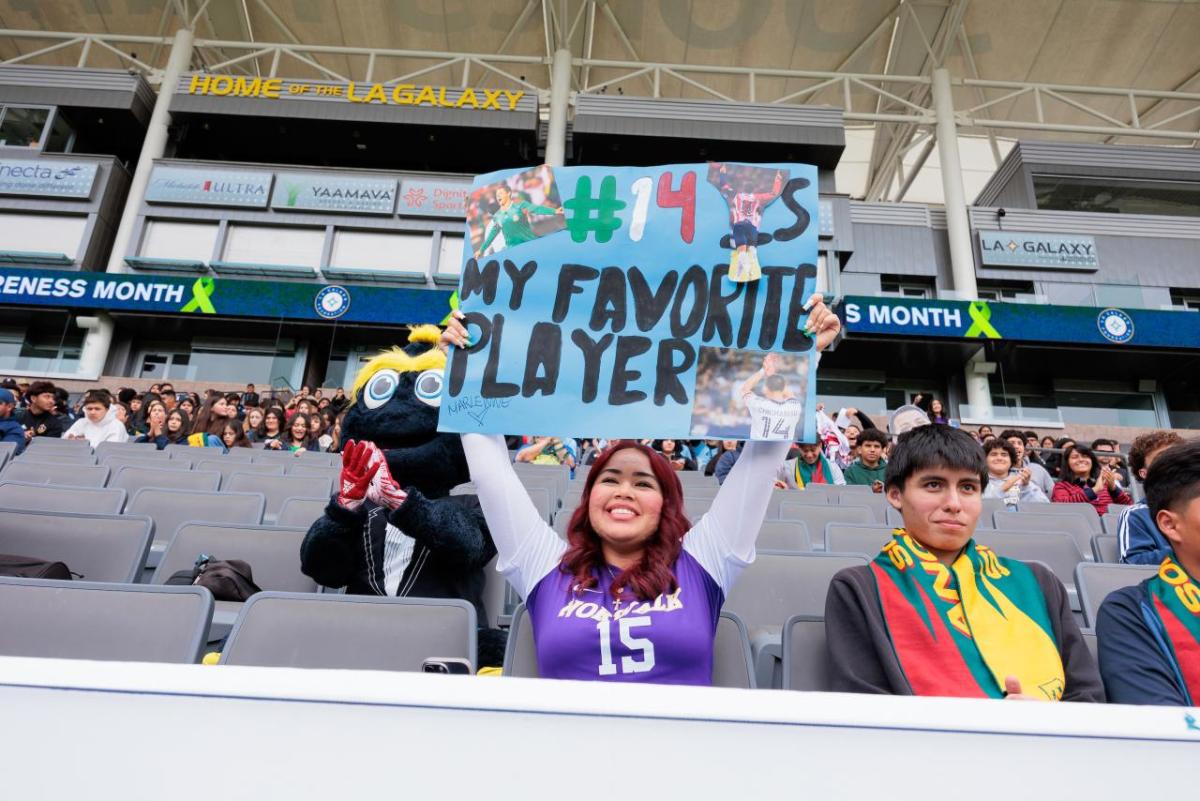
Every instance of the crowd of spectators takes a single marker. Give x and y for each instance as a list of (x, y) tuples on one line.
[(301, 421)]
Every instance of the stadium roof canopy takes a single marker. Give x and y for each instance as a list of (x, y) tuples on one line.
[(1123, 71)]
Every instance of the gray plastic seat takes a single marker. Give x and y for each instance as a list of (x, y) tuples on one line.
[(288, 458), (867, 540), (273, 553), (495, 594), (1071, 524), (783, 535), (115, 461), (277, 489), (66, 456), (301, 512), (227, 467), (7, 451), (1089, 639), (141, 450), (1095, 581), (109, 548), (782, 496), (1054, 549), (45, 497), (805, 655), (1106, 549), (76, 475), (875, 501), (110, 622), (1084, 511), (58, 444), (171, 508), (350, 632), (817, 517), (732, 662), (1111, 522), (131, 479), (332, 473)]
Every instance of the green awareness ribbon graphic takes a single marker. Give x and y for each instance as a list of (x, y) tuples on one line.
[(980, 313), (453, 308), (202, 290)]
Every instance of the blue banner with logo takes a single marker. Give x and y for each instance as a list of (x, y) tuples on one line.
[(222, 296), (1021, 322), (638, 301)]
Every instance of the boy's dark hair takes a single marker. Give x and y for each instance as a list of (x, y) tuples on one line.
[(1112, 443), (1174, 478), (1001, 444), (775, 383), (40, 388), (1147, 444), (100, 396), (934, 446), (1031, 435), (1084, 450), (873, 435), (1011, 432)]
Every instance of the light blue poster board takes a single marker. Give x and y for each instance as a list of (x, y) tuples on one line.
[(599, 303)]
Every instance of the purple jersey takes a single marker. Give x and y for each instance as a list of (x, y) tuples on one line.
[(665, 641)]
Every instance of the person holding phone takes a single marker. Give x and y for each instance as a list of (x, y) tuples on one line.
[(635, 593), (1085, 480)]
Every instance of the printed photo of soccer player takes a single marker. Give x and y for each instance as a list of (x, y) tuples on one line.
[(519, 209), (748, 190), (749, 394)]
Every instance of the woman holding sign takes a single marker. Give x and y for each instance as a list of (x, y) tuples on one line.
[(636, 592)]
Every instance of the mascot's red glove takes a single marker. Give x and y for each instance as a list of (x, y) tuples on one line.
[(360, 463), (384, 490)]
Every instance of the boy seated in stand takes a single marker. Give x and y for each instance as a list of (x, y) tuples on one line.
[(1148, 635), (936, 613)]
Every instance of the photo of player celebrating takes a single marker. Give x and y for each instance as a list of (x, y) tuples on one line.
[(748, 190), (518, 210), (747, 394)]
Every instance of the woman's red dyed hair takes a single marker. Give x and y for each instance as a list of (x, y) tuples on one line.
[(652, 575)]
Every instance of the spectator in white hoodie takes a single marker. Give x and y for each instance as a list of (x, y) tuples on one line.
[(99, 423)]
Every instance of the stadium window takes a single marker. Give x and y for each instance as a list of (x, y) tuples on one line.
[(865, 394), (42, 233), (450, 255), (1188, 299), (905, 286), (167, 239), (381, 250), (1107, 408), (238, 361), (284, 245), (1117, 196), (1008, 292), (22, 126)]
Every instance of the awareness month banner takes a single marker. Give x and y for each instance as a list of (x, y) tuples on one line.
[(659, 301)]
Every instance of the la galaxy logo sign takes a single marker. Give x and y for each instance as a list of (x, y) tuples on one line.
[(1115, 326)]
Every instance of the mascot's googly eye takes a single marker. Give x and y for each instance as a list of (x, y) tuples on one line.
[(380, 389), (428, 388)]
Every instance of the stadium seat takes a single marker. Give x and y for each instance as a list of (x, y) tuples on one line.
[(1072, 524), (301, 512), (288, 458), (993, 505), (775, 587), (7, 451), (115, 461), (541, 500), (1106, 549), (298, 469), (1095, 581), (58, 444), (141, 450), (805, 658), (171, 508), (1111, 522), (876, 502), (696, 507), (278, 489), (77, 475), (55, 456), (1055, 549), (783, 535), (110, 622), (79, 500), (495, 594), (108, 548), (131, 479), (732, 662), (1084, 511), (354, 632), (867, 540), (273, 553), (227, 467), (194, 454), (818, 516), (796, 497)]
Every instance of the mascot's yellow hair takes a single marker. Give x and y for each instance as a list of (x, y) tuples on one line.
[(396, 359)]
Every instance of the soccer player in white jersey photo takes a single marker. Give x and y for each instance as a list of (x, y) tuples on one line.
[(775, 413)]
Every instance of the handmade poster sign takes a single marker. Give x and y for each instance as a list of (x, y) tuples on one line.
[(638, 301)]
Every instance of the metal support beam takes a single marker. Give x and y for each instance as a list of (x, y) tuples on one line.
[(560, 98)]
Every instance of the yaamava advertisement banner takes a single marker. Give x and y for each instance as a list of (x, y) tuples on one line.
[(662, 301)]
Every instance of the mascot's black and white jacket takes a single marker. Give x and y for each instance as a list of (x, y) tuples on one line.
[(434, 545)]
